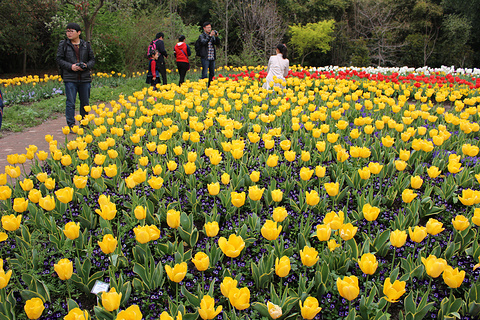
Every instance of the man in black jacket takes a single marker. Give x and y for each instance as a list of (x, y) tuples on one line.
[(160, 47), (208, 40), (75, 58)]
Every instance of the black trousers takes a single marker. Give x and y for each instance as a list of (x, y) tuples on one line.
[(182, 70), (163, 71)]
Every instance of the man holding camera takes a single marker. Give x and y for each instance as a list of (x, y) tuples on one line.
[(75, 59), (208, 40)]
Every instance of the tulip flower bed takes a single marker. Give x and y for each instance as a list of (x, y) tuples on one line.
[(34, 88), (347, 194)]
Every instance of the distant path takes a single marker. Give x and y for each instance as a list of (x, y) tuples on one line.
[(16, 142)]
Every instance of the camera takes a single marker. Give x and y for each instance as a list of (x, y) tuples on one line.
[(82, 65), (216, 32)]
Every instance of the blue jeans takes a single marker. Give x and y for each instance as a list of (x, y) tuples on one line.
[(208, 65), (71, 89)]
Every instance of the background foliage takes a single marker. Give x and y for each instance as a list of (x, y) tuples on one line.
[(366, 32)]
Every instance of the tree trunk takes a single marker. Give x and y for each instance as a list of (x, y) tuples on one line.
[(24, 61)]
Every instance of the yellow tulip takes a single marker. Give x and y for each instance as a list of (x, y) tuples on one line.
[(34, 308), (255, 176), (34, 195), (173, 218), (4, 276), (285, 145), (398, 238), (400, 165), (233, 247), (320, 171), (64, 269), (155, 182), (370, 213), (270, 230), (64, 195), (142, 234), (140, 212), (107, 211), (50, 183), (201, 261), (254, 193), (334, 220), (404, 155), (332, 188), (277, 195), (11, 222), (324, 232), (272, 160), (417, 234), (177, 273), (282, 266), (306, 173), (289, 155), (207, 308), (453, 277), (279, 214), (408, 195), (274, 311), (108, 244), (213, 188), (239, 298), (238, 199), (20, 205), (312, 198), (348, 287), (364, 173), (111, 170), (310, 308), (96, 172), (433, 172), (72, 230), (309, 256), (469, 197), (77, 314), (394, 290), (225, 178), (416, 182), (348, 231), (171, 165), (211, 228), (434, 227), (375, 167), (388, 141), (111, 300), (460, 222), (227, 285), (434, 266), (26, 184), (368, 263), (476, 217), (131, 313)]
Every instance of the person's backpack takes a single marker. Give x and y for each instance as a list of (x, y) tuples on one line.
[(152, 46), (198, 47)]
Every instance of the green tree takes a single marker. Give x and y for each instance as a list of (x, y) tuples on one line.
[(312, 37), (22, 31), (88, 10)]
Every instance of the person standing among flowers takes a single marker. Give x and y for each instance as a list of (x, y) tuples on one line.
[(208, 40), (182, 52), (160, 47), (277, 67), (153, 76), (75, 58)]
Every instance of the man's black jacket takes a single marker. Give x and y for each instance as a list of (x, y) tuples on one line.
[(66, 57), (204, 40)]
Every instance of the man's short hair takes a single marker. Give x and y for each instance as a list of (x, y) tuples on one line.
[(206, 24), (159, 35), (74, 26)]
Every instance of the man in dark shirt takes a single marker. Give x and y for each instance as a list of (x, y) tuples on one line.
[(208, 40), (160, 47), (75, 58)]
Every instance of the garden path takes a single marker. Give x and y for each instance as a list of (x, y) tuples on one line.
[(11, 143)]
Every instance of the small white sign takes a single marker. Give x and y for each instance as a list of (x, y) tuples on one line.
[(100, 286)]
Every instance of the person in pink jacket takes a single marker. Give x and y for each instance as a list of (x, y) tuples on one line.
[(182, 52)]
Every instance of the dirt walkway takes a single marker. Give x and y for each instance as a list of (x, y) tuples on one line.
[(12, 143)]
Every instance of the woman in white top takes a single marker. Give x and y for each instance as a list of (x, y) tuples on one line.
[(277, 66)]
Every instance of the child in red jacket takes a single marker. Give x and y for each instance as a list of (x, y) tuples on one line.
[(153, 74)]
